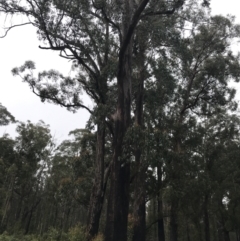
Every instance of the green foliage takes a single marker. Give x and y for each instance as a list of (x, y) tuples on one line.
[(5, 116), (72, 166), (77, 233), (53, 234), (99, 237), (24, 164), (6, 237)]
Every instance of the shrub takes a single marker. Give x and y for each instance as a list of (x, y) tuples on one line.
[(99, 237), (6, 237), (76, 233), (53, 234)]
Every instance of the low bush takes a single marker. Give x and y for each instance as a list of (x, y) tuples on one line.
[(76, 233)]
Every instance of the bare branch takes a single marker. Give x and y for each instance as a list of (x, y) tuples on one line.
[(14, 26)]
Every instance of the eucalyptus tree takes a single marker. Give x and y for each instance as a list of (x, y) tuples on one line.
[(98, 37), (221, 148), (205, 197), (192, 83)]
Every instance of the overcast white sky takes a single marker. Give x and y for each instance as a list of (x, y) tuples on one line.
[(21, 44)]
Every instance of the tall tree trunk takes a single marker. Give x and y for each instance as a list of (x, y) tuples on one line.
[(101, 174), (28, 222), (118, 202), (98, 191), (139, 206)]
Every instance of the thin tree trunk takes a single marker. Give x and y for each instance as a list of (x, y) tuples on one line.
[(8, 199), (33, 207), (98, 191), (173, 223), (223, 233), (139, 207), (206, 219), (188, 234), (28, 222), (161, 232), (237, 235)]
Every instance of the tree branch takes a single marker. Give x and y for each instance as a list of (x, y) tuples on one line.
[(13, 26), (131, 28), (152, 13), (56, 100)]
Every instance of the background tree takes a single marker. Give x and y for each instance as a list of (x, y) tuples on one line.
[(5, 116), (25, 173)]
